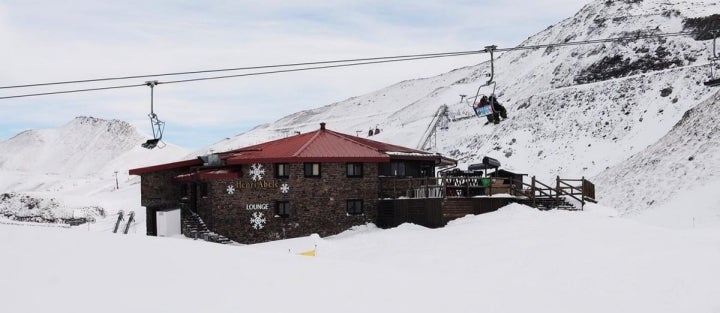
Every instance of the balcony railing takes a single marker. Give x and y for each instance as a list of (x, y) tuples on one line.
[(581, 190)]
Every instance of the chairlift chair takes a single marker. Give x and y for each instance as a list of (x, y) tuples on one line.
[(487, 109), (156, 124), (713, 82)]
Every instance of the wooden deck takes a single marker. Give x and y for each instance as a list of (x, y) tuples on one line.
[(432, 202)]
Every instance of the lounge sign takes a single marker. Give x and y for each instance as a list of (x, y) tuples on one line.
[(257, 207)]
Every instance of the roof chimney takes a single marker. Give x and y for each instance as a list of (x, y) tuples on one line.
[(322, 126)]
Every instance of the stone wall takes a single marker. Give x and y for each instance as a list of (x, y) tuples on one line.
[(244, 209), (160, 189)]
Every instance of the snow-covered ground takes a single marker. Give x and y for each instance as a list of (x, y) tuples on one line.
[(514, 260), (648, 138)]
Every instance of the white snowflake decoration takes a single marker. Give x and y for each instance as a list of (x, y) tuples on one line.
[(230, 189), (285, 188), (258, 220), (257, 172)]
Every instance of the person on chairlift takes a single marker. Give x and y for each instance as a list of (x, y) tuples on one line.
[(499, 109)]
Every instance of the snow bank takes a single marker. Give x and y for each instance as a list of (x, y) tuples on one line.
[(514, 260)]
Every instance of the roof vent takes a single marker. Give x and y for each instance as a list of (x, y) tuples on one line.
[(322, 126), (211, 160)]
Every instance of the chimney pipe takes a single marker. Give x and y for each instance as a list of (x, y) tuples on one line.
[(322, 126)]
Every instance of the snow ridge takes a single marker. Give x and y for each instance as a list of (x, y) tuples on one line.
[(79, 159), (684, 159)]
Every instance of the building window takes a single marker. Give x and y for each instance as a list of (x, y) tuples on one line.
[(397, 169), (355, 207), (312, 169), (282, 208), (354, 170), (282, 170), (204, 190)]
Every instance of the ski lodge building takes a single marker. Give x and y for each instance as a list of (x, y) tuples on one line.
[(319, 182), (325, 182)]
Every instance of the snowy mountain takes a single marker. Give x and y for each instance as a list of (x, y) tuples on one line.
[(77, 163), (684, 161), (634, 117), (581, 110)]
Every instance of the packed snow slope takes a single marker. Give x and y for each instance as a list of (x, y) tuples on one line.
[(517, 259), (77, 162), (573, 111), (684, 163)]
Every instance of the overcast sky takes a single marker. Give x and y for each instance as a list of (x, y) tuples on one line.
[(45, 41)]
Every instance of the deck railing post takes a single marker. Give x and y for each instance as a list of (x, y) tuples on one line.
[(582, 196), (427, 188), (394, 187), (557, 191), (532, 192)]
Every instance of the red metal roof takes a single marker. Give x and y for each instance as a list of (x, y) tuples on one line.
[(318, 146), (167, 166), (205, 174)]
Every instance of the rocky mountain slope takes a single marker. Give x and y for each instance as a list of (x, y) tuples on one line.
[(684, 160)]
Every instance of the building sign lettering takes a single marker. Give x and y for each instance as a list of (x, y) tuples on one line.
[(265, 184), (257, 207)]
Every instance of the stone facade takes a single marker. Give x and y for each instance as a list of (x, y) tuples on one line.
[(160, 189), (245, 210), (317, 204)]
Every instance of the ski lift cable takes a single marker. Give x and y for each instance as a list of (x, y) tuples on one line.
[(71, 91), (239, 69), (596, 41), (242, 75), (315, 68), (370, 61), (346, 60)]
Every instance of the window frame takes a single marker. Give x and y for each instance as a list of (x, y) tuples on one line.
[(355, 167), (398, 169), (204, 189), (352, 208), (286, 171), (283, 208), (312, 175)]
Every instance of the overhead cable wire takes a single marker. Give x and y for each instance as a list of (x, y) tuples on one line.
[(429, 55), (595, 41), (398, 58), (245, 74), (71, 91), (311, 68), (346, 63)]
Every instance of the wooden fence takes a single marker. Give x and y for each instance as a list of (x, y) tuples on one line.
[(534, 192)]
